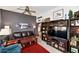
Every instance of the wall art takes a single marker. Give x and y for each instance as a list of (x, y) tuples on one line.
[(58, 14)]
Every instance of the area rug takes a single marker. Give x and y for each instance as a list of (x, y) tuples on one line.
[(36, 48)]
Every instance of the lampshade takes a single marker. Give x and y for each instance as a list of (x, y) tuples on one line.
[(34, 26), (5, 31), (6, 27)]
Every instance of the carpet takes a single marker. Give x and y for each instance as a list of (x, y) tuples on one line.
[(36, 48)]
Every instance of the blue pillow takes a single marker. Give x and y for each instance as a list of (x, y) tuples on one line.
[(2, 49)]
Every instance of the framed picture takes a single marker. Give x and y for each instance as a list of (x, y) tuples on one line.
[(23, 26), (58, 14)]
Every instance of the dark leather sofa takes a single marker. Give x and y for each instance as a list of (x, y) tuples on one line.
[(24, 37)]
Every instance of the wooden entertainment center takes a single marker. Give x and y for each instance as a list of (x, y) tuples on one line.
[(57, 42), (70, 43), (74, 35)]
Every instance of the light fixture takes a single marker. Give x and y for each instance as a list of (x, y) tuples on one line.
[(6, 30), (6, 27), (34, 26)]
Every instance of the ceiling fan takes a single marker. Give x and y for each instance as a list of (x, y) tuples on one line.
[(27, 9)]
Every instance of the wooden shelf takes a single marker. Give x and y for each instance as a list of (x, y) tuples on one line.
[(76, 40), (73, 32), (74, 26), (74, 19), (75, 47), (59, 23)]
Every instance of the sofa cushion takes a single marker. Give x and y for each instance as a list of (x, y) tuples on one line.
[(30, 33), (11, 46), (17, 35), (15, 48), (1, 49), (24, 34)]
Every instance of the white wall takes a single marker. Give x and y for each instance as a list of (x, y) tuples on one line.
[(66, 11)]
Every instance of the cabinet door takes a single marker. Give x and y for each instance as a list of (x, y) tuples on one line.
[(63, 46)]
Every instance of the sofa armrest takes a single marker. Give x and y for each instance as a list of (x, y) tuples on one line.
[(15, 48)]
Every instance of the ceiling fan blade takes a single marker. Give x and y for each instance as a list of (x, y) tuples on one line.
[(29, 13), (24, 11), (20, 9), (27, 9), (32, 11)]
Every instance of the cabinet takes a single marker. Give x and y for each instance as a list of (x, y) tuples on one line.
[(69, 44), (54, 35), (74, 35), (44, 30), (59, 43)]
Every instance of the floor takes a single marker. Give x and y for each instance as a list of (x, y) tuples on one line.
[(35, 48), (48, 47)]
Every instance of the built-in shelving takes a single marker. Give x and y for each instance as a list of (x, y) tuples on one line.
[(56, 42), (74, 35)]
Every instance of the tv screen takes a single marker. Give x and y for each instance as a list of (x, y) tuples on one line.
[(17, 35), (58, 32), (51, 31), (62, 34)]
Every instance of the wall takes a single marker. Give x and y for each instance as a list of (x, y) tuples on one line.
[(0, 19), (13, 18), (66, 10)]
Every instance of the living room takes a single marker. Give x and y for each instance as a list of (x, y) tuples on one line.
[(39, 29)]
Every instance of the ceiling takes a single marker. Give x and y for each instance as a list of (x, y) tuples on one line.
[(38, 9)]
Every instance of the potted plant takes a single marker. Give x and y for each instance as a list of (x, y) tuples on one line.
[(70, 14)]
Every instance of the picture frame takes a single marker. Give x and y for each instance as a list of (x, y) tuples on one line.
[(59, 14), (23, 26)]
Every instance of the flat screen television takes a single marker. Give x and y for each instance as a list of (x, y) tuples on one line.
[(60, 32)]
